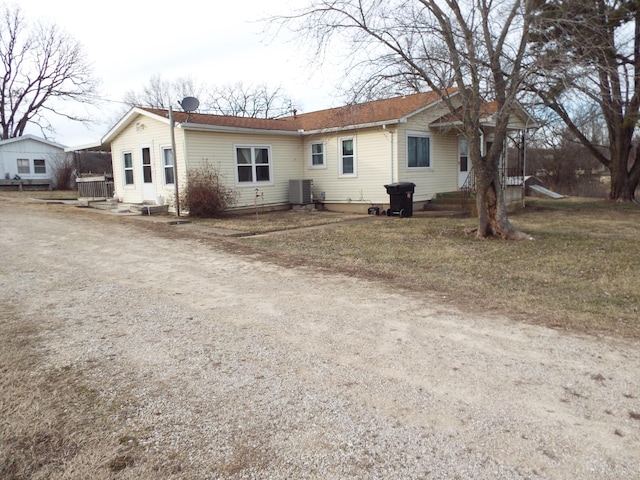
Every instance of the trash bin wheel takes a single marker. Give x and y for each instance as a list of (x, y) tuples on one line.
[(403, 214), (389, 212)]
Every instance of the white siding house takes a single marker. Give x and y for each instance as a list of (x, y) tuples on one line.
[(30, 161), (349, 153)]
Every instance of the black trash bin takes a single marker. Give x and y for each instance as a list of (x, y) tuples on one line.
[(400, 198)]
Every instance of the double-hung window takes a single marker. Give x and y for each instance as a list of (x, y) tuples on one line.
[(253, 164), (127, 160), (317, 155), (347, 157), (418, 150), (23, 165), (167, 160), (39, 166)]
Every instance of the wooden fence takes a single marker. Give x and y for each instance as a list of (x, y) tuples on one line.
[(95, 187)]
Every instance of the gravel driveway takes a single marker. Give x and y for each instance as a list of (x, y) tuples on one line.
[(243, 369)]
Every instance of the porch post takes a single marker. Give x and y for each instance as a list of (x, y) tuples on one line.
[(524, 167)]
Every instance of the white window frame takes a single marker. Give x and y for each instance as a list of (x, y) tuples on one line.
[(341, 158), (22, 163), (253, 165), (165, 166), (415, 134), (126, 169), (43, 166), (323, 153)]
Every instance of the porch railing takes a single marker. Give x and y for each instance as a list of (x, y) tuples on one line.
[(469, 186)]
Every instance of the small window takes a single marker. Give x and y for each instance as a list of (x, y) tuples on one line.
[(347, 158), (489, 145), (463, 149), (167, 158), (39, 166), (317, 154), (23, 165), (418, 151), (128, 168), (147, 176), (253, 164)]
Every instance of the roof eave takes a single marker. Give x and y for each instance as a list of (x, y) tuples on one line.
[(93, 147), (354, 127), (226, 129), (484, 123), (31, 137)]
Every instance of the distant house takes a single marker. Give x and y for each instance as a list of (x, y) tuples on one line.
[(346, 155), (28, 162)]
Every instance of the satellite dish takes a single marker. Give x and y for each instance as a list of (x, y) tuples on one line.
[(189, 104)]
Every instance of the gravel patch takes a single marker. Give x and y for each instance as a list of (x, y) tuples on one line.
[(225, 367)]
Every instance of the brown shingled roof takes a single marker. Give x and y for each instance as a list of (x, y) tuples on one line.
[(225, 120), (377, 111)]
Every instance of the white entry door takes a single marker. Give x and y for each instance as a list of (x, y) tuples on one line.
[(148, 187), (464, 164)]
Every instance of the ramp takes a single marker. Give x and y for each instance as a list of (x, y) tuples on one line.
[(546, 191)]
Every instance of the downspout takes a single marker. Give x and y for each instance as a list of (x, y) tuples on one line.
[(524, 165)]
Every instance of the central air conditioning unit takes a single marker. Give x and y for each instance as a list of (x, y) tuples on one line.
[(300, 192)]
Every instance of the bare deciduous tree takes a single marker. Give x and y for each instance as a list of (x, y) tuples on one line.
[(257, 101), (160, 93), (41, 64), (591, 53), (476, 46)]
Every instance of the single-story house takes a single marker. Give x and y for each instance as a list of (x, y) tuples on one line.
[(345, 155), (29, 162)]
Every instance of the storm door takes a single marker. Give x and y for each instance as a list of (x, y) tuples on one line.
[(148, 187)]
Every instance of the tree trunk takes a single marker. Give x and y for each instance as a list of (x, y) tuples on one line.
[(622, 189), (493, 220), (624, 180)]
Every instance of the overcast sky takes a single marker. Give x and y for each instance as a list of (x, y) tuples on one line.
[(129, 41)]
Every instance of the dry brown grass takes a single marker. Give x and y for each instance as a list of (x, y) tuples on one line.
[(580, 273), (265, 222), (55, 421), (41, 194), (37, 432)]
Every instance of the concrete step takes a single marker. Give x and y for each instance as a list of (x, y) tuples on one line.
[(101, 204), (149, 209), (451, 201)]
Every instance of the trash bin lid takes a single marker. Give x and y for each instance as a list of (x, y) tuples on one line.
[(400, 187)]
